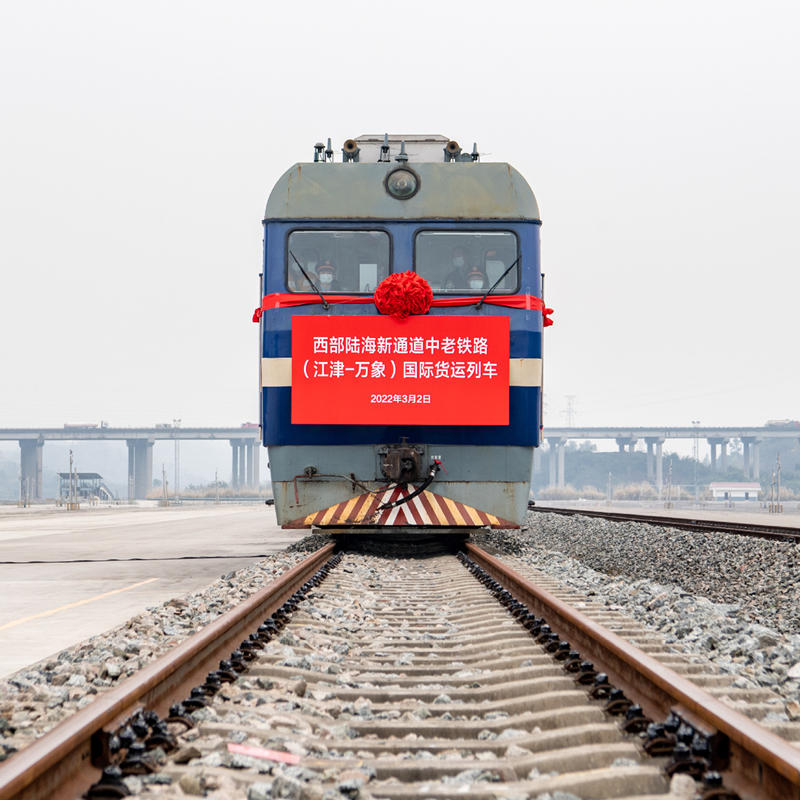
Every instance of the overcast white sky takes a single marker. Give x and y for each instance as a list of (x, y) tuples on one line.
[(139, 143)]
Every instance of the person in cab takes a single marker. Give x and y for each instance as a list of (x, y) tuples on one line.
[(456, 280), (326, 272), (477, 280)]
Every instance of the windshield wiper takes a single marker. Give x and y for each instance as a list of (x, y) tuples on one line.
[(494, 285), (313, 285)]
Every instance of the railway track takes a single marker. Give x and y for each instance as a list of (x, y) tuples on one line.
[(780, 533), (395, 678)]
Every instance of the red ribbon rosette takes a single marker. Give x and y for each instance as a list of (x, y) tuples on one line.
[(402, 294)]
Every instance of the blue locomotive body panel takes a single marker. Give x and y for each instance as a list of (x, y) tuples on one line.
[(526, 341)]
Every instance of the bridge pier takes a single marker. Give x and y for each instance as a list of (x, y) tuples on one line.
[(248, 465), (253, 452), (626, 443), (752, 466), (143, 475), (713, 443), (244, 463), (140, 468), (235, 444), (131, 443), (556, 460), (30, 467), (659, 466), (655, 460)]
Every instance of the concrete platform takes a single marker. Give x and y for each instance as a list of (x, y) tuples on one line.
[(78, 591)]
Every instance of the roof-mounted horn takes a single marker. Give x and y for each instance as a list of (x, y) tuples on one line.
[(452, 150), (350, 150)]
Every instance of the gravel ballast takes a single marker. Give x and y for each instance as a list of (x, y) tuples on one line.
[(35, 699), (733, 599)]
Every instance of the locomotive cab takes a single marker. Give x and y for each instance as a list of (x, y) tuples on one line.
[(380, 422)]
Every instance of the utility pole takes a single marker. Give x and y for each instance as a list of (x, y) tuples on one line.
[(778, 506), (569, 413), (73, 504), (24, 494), (608, 490), (771, 504), (164, 488), (216, 487), (176, 424), (668, 501), (695, 456)]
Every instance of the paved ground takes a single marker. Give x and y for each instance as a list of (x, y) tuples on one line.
[(45, 607)]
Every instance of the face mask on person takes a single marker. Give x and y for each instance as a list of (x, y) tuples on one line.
[(476, 284), (326, 277), (458, 261)]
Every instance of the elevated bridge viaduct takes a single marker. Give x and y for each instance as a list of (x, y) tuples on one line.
[(654, 438), (245, 447)]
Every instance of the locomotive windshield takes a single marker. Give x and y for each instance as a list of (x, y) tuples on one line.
[(459, 262), (353, 262)]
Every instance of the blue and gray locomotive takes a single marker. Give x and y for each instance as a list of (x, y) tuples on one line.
[(424, 417)]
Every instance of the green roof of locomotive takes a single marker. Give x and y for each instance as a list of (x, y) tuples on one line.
[(451, 190)]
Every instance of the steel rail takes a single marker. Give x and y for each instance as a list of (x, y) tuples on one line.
[(761, 764), (59, 764), (777, 532)]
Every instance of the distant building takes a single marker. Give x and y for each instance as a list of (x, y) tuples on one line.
[(733, 490), (87, 486)]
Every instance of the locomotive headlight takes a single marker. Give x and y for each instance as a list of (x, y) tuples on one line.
[(402, 183)]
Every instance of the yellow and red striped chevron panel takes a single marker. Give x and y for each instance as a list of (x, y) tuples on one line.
[(427, 508)]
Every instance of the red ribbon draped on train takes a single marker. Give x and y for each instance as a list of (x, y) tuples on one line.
[(399, 296)]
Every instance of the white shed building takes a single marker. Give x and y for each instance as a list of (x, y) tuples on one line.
[(735, 490)]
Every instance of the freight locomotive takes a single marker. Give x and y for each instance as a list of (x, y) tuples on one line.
[(424, 417)]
